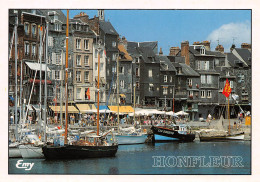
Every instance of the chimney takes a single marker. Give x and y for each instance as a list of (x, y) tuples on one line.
[(160, 53), (219, 48), (206, 44), (232, 47), (82, 16), (246, 46), (185, 52), (174, 51)]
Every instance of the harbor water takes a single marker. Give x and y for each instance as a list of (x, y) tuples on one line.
[(233, 157)]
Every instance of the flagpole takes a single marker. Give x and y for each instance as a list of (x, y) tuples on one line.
[(228, 117)]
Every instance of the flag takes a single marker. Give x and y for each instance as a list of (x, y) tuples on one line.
[(227, 89), (88, 94)]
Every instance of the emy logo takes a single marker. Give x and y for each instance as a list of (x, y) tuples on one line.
[(22, 165)]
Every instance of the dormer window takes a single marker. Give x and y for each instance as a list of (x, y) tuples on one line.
[(227, 73), (202, 51)]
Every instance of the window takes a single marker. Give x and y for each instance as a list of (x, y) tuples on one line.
[(150, 73), (209, 79), (151, 87), (202, 51), (34, 50), (122, 83), (107, 72), (170, 90), (86, 76), (96, 66), (78, 93), (113, 44), (26, 28), (78, 60), (114, 85), (57, 27), (58, 59), (86, 44), (57, 75), (121, 69), (165, 90), (203, 65), (96, 53), (26, 48), (203, 79), (190, 92), (114, 69), (137, 60), (86, 60), (78, 43), (189, 82), (209, 94), (137, 85), (50, 41), (216, 62), (170, 79), (101, 54), (231, 84), (34, 30), (78, 76), (114, 57), (202, 93), (137, 72), (165, 78), (101, 66), (241, 78)]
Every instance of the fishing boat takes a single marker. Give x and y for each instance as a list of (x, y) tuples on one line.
[(227, 135), (92, 146), (172, 133)]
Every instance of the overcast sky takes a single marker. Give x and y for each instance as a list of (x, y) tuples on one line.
[(171, 27)]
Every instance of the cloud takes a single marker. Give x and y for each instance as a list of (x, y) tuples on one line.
[(240, 32)]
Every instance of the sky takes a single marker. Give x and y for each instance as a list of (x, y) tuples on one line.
[(171, 27)]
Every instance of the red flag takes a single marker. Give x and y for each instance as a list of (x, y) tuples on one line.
[(227, 89)]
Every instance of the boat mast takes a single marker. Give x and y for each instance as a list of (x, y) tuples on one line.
[(99, 49), (134, 103), (40, 113), (16, 114), (45, 86), (66, 80), (228, 117), (117, 95)]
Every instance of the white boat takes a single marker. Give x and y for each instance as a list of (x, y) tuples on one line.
[(124, 139), (31, 147), (14, 151)]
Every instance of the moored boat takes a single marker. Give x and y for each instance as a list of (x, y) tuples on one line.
[(175, 133), (235, 136)]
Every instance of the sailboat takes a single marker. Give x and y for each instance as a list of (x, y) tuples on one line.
[(127, 136), (227, 135), (90, 146), (31, 145)]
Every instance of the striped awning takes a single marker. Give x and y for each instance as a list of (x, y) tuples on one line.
[(122, 109), (71, 109), (86, 108)]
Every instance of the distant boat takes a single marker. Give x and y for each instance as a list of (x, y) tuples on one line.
[(236, 136), (174, 133)]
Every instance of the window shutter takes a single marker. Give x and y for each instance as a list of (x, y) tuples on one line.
[(53, 58), (63, 58), (53, 74)]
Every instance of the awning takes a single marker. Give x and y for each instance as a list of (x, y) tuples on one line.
[(122, 95), (86, 108), (122, 109), (71, 109), (37, 66)]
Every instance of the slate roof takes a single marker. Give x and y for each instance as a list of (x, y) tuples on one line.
[(107, 27), (164, 60), (233, 60), (245, 54), (188, 71), (152, 44), (147, 54), (60, 14)]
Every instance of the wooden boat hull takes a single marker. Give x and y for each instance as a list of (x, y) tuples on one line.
[(239, 136), (29, 151), (78, 152), (171, 135)]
